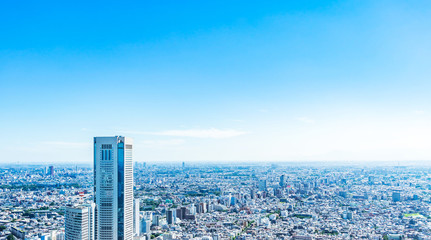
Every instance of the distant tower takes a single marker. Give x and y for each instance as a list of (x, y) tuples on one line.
[(262, 185), (283, 180), (51, 171), (252, 194), (170, 216), (79, 222), (113, 187), (232, 201), (396, 196), (145, 226), (156, 220), (183, 213)]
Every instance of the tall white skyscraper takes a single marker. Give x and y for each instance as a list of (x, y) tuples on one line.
[(79, 222), (136, 217), (91, 220), (113, 187)]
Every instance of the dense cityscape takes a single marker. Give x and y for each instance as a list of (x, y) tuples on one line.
[(215, 120), (228, 201)]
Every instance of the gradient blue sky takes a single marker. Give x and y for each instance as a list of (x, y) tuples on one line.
[(216, 81)]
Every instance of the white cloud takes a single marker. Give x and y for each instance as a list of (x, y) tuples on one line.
[(202, 133), (419, 112), (238, 120), (162, 143), (305, 120), (194, 133), (67, 144)]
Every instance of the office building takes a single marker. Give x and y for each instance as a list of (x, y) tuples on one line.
[(79, 222), (283, 180), (181, 213), (145, 226), (156, 220), (51, 171), (136, 217), (91, 219), (170, 216), (396, 196), (17, 232), (113, 187), (262, 185), (232, 201)]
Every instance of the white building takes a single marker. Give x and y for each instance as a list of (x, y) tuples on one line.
[(136, 217), (91, 219), (79, 222), (113, 178)]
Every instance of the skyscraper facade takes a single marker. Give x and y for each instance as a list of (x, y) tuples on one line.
[(113, 187), (170, 216), (79, 222), (91, 220), (262, 185), (283, 180), (136, 217), (51, 171)]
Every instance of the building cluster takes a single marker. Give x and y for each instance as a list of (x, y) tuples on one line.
[(285, 202), (32, 199), (116, 199)]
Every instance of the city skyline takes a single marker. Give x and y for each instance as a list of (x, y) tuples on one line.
[(208, 202), (218, 120), (217, 82)]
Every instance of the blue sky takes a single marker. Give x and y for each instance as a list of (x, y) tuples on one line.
[(217, 81)]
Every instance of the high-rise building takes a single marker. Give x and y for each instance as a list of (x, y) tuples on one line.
[(91, 219), (262, 185), (113, 187), (170, 216), (232, 201), (181, 213), (145, 226), (203, 207), (156, 220), (136, 217), (396, 195), (51, 171), (283, 180), (252, 194), (79, 222)]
